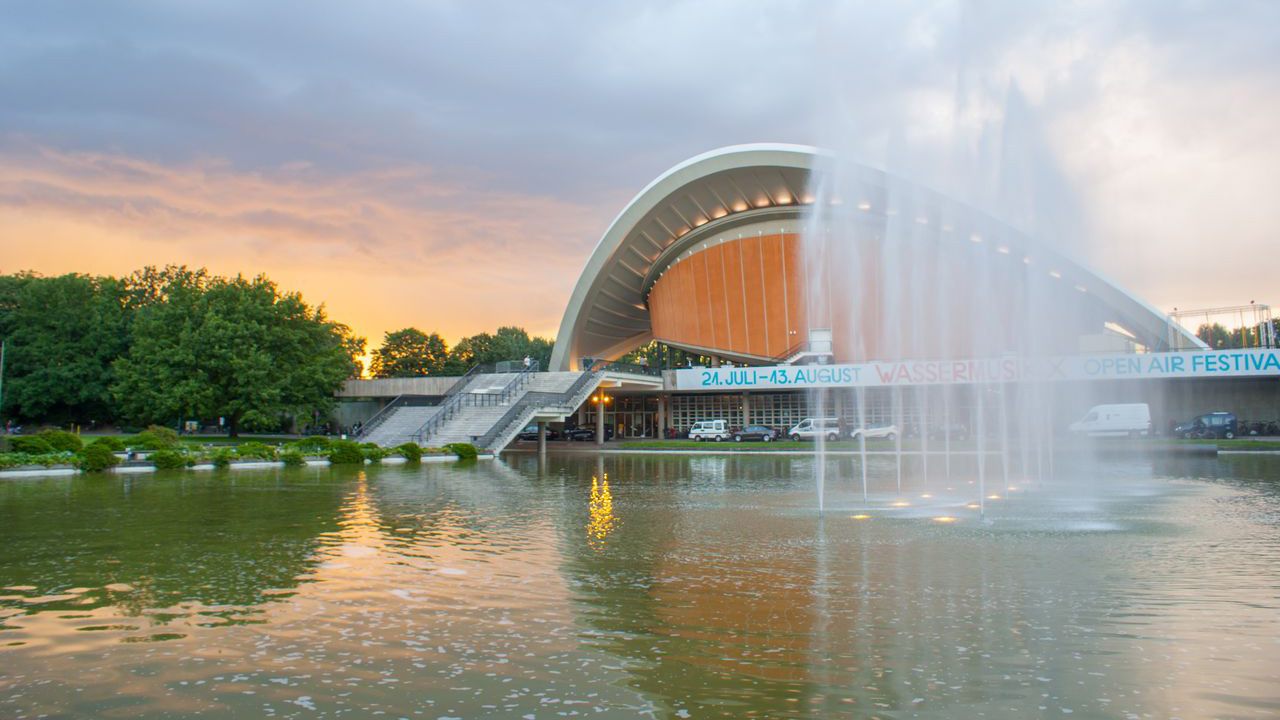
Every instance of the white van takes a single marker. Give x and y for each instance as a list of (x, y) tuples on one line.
[(812, 428), (709, 430), (1129, 419)]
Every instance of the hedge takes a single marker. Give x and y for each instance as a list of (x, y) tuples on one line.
[(256, 450), (293, 458), (110, 442), (168, 459), (155, 438), (97, 457), (464, 451), (410, 451), (346, 452), (62, 441), (29, 445)]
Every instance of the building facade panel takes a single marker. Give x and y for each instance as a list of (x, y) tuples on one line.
[(742, 296)]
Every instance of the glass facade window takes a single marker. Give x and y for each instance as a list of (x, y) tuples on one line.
[(779, 410), (689, 409)]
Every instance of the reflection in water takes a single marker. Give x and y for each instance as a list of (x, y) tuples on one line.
[(602, 519), (472, 591)]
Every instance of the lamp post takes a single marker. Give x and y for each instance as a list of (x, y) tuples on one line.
[(601, 401)]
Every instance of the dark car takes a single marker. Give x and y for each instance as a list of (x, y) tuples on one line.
[(1210, 425), (755, 432), (531, 433), (587, 433)]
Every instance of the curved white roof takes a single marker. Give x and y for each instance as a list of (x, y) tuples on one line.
[(736, 186)]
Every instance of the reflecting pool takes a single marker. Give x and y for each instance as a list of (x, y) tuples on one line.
[(644, 586)]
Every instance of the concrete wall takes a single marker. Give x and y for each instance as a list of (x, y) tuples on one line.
[(348, 412), (391, 387)]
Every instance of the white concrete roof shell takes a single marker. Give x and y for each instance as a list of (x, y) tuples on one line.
[(743, 185)]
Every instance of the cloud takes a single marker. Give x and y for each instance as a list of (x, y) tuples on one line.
[(451, 165)]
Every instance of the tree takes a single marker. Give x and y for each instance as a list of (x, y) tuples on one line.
[(63, 334), (410, 353), (507, 343), (206, 347)]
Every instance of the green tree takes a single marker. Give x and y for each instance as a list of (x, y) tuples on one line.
[(63, 334), (206, 347), (410, 353), (506, 344)]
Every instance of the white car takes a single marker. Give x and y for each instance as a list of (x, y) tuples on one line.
[(813, 428), (717, 430), (888, 432)]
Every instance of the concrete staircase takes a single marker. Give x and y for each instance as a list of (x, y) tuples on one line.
[(400, 425), (492, 399), (468, 425)]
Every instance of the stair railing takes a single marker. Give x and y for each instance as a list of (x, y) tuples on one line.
[(521, 411), (456, 400), (453, 400)]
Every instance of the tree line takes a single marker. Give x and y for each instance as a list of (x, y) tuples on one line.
[(410, 352), (165, 345), (1219, 337)]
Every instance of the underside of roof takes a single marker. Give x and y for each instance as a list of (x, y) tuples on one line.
[(742, 186)]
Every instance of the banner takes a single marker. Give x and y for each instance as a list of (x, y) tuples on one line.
[(1150, 366)]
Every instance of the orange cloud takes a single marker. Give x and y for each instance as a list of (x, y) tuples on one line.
[(382, 249)]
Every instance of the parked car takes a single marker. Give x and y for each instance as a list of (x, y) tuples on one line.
[(717, 430), (943, 429), (888, 432), (756, 432), (586, 433), (531, 433), (1209, 425), (1124, 419), (811, 429)]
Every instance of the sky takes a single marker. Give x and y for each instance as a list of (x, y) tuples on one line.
[(451, 165)]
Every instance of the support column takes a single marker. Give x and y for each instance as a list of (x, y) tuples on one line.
[(661, 429), (600, 419), (746, 410), (542, 437)]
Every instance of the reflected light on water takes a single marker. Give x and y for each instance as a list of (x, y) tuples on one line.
[(944, 519), (602, 521), (861, 517)]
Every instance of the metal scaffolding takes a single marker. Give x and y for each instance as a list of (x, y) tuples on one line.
[(1246, 326)]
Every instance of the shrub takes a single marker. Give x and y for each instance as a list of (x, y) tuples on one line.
[(313, 444), (256, 450), (346, 452), (29, 445), (97, 457), (156, 438), (464, 451), (110, 442), (293, 458), (373, 452), (410, 451), (62, 441), (17, 459), (221, 457), (168, 459)]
